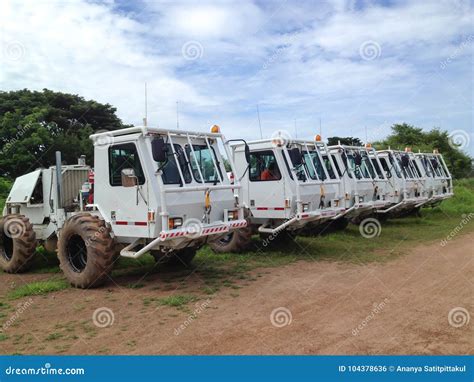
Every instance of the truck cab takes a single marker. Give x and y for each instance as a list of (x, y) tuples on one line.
[(363, 184), (408, 191), (439, 182), (285, 187)]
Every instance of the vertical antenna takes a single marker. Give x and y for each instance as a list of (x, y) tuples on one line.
[(320, 128), (366, 139), (145, 120), (259, 122), (296, 131), (177, 116)]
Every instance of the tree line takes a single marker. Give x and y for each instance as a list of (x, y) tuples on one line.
[(36, 124)]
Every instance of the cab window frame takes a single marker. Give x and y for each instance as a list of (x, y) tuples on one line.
[(112, 174)]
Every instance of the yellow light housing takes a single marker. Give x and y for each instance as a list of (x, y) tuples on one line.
[(317, 138), (435, 151), (368, 145), (408, 149), (215, 129)]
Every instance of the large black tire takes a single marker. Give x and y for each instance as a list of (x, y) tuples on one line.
[(17, 243), (181, 258), (279, 239), (236, 241), (86, 251)]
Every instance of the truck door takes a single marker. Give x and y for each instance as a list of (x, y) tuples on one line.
[(127, 203), (267, 187)]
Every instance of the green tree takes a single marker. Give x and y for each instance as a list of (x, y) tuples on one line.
[(349, 141), (405, 135), (34, 125)]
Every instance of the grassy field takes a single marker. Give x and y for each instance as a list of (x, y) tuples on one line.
[(396, 238)]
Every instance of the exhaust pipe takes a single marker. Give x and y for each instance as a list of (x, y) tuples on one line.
[(59, 178)]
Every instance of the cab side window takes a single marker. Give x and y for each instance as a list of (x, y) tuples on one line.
[(121, 157), (263, 167)]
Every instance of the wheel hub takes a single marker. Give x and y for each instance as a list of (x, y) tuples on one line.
[(77, 253)]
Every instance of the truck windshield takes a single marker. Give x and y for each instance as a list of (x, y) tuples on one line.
[(203, 159), (313, 162), (377, 168), (169, 169), (365, 170)]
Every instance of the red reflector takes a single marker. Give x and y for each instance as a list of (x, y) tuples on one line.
[(141, 223), (121, 223)]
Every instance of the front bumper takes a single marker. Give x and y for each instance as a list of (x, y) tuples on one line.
[(175, 237)]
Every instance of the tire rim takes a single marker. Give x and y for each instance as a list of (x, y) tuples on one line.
[(76, 250), (6, 247)]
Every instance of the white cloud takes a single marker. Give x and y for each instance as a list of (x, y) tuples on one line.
[(297, 60)]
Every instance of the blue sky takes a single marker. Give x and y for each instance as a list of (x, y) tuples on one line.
[(354, 65)]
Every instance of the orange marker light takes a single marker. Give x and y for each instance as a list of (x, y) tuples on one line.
[(215, 129), (317, 138)]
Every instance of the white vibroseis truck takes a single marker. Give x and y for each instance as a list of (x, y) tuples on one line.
[(157, 191)]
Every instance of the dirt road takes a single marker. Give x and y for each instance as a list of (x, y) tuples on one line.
[(416, 304)]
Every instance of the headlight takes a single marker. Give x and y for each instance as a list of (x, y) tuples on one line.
[(233, 215), (305, 207), (361, 199), (174, 223)]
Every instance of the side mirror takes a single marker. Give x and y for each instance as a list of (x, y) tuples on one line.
[(296, 157), (158, 149), (247, 153), (129, 179), (357, 159), (405, 160)]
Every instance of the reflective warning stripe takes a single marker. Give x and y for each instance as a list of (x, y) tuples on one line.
[(121, 222)]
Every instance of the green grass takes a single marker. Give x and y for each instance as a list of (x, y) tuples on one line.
[(38, 288), (234, 270)]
